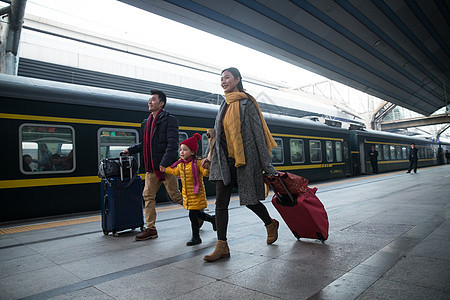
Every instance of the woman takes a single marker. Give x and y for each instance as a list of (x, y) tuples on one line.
[(240, 155)]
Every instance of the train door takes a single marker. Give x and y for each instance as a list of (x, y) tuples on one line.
[(354, 153), (362, 158), (347, 161)]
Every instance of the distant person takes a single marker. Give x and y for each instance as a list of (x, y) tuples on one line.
[(56, 163), (160, 149), (413, 158), (240, 155), (68, 161), (447, 156), (277, 157), (373, 156), (45, 155), (26, 161), (194, 195), (297, 157)]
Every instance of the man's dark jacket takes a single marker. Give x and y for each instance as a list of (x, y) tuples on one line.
[(373, 157), (164, 141), (413, 154)]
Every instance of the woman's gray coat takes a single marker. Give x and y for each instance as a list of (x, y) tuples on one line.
[(257, 157)]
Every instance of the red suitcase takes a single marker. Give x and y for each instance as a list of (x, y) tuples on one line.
[(304, 214)]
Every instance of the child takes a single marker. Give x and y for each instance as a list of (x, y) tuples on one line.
[(193, 189)]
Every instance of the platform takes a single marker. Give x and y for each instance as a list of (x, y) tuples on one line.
[(389, 239)]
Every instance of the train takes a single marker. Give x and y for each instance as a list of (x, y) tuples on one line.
[(54, 135)]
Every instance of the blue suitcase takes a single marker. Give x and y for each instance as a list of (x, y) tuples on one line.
[(121, 204)]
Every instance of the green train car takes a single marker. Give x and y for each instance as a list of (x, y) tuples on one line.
[(54, 135)]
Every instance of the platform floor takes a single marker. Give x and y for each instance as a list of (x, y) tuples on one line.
[(389, 239)]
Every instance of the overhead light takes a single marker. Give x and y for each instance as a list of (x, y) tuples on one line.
[(376, 43)]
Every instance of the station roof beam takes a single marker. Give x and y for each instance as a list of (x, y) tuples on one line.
[(415, 122), (398, 51)]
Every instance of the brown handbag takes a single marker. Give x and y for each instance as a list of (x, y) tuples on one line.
[(286, 182)]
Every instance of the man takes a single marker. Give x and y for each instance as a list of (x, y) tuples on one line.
[(373, 156), (413, 158), (160, 149), (447, 156), (45, 154)]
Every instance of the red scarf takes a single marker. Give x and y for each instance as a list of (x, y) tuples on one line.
[(194, 169), (148, 136)]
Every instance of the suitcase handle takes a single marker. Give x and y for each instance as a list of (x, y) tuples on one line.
[(292, 202)]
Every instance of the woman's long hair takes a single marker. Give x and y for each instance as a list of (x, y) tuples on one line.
[(235, 72)]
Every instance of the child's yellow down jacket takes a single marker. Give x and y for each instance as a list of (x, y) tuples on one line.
[(191, 201)]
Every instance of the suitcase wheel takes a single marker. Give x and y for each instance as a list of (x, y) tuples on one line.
[(320, 237), (115, 234), (142, 228), (105, 232)]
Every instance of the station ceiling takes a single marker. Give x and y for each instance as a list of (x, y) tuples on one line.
[(396, 50)]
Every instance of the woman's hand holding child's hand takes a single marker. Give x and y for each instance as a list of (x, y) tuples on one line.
[(205, 163)]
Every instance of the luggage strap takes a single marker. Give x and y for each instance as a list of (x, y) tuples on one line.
[(293, 201), (129, 166)]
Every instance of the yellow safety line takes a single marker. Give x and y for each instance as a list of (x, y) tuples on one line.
[(48, 225), (54, 224), (76, 221)]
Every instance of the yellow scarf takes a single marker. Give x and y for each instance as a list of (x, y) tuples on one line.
[(232, 127)]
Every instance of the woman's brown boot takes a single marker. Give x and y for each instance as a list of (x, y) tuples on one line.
[(221, 251), (272, 231)]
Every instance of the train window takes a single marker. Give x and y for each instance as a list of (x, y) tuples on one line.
[(315, 151), (421, 152), (181, 137), (404, 153), (398, 150), (386, 152), (278, 152), (205, 144), (338, 146), (112, 141), (392, 151), (46, 148), (297, 151), (329, 149)]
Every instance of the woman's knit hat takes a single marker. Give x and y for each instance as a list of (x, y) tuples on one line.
[(192, 142)]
